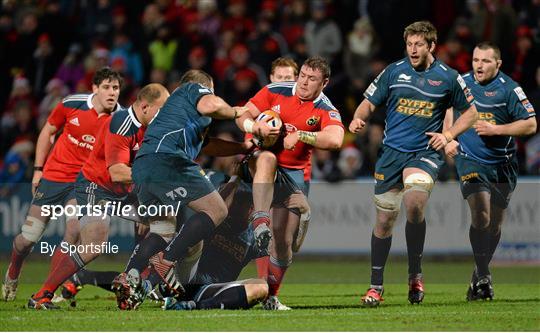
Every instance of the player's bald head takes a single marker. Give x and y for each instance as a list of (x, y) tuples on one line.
[(197, 76), (152, 92)]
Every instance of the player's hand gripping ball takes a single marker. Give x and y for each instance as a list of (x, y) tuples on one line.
[(272, 120)]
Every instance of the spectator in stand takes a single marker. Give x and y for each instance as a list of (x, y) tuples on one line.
[(295, 17), (163, 49), (41, 68), (71, 70), (238, 20), (209, 19), (454, 55), (222, 61), (350, 162), (324, 166), (239, 62), (123, 48), (526, 59), (15, 167), (56, 90), (266, 45), (323, 37), (20, 125)]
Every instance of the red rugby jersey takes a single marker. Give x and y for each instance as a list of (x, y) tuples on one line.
[(311, 116), (118, 142), (80, 123)]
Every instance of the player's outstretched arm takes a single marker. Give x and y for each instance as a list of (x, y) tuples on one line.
[(520, 127), (362, 113), (215, 107), (43, 147)]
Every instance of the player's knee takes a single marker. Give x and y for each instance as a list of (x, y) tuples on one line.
[(389, 202), (266, 159), (415, 213), (418, 181), (383, 229), (33, 229), (480, 219), (72, 232)]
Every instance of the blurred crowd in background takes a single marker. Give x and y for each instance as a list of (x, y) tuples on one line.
[(51, 48)]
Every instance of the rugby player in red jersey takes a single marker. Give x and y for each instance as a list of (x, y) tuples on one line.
[(311, 121), (105, 177), (80, 118)]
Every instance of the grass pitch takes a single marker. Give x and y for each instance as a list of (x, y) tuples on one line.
[(324, 297)]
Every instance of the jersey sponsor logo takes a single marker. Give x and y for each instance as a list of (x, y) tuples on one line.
[(520, 93), (527, 105), (487, 116), (75, 121), (177, 192), (276, 108), (334, 115), (81, 144), (313, 120), (89, 138), (379, 176), (434, 82), (490, 93), (404, 78), (415, 107), (469, 176), (371, 89)]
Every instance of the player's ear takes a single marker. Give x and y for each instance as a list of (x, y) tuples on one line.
[(499, 63), (432, 47), (325, 82), (94, 88)]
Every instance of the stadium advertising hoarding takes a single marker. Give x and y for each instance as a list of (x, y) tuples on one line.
[(342, 220)]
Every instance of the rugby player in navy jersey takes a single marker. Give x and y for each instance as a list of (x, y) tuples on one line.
[(485, 157), (224, 255), (417, 91)]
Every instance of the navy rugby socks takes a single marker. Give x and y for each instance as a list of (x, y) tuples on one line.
[(380, 247), (415, 233), (480, 245), (198, 227)]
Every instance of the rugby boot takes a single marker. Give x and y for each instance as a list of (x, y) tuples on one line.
[(373, 297), (273, 303), (9, 288), (42, 303), (416, 289), (167, 272)]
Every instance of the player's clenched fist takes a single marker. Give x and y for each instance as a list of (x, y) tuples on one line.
[(290, 140), (356, 125), (451, 149)]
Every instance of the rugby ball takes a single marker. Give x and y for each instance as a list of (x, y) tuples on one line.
[(272, 119)]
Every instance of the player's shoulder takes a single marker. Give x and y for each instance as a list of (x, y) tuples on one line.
[(397, 66), (122, 123), (194, 87), (468, 77), (446, 71), (77, 101), (323, 102), (281, 88), (506, 83)]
